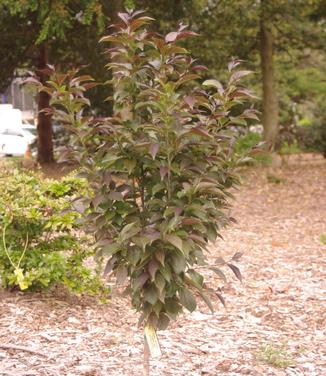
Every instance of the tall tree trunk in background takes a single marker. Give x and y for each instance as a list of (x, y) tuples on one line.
[(270, 101), (44, 122), (125, 112)]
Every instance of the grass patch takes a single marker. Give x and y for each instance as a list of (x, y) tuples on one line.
[(292, 148), (275, 179), (323, 238), (276, 356)]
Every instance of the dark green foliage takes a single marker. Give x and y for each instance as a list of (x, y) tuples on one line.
[(248, 148), (39, 246), (160, 168), (313, 137), (246, 142)]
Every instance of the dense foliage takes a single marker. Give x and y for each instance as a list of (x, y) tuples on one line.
[(226, 28), (39, 245), (161, 167)]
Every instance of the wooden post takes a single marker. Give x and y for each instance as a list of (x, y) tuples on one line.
[(146, 358)]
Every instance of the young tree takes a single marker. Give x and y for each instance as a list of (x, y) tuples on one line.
[(160, 176)]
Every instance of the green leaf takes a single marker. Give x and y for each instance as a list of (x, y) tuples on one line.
[(159, 282), (150, 295), (163, 321), (214, 83), (175, 241), (128, 231), (166, 273), (111, 249), (187, 299), (130, 164), (179, 262), (121, 274), (172, 307), (219, 273), (196, 279), (157, 188), (206, 300), (115, 196)]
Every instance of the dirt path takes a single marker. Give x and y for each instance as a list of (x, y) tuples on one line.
[(282, 301)]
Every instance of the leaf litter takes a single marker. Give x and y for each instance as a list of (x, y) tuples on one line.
[(281, 301)]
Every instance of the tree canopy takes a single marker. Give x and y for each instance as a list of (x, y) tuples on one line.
[(275, 38)]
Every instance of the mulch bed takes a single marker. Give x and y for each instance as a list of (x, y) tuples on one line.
[(281, 214)]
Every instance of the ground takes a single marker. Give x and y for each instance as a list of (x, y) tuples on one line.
[(276, 317)]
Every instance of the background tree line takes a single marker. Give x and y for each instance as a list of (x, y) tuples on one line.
[(281, 40)]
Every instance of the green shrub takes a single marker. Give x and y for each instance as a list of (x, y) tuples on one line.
[(246, 142), (315, 137), (290, 148), (244, 146), (39, 245), (161, 167)]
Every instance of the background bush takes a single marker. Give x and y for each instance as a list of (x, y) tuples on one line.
[(40, 245)]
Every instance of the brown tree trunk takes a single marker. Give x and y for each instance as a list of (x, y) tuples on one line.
[(270, 101), (44, 123)]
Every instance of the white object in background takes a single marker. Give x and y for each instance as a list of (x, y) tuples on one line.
[(15, 141)]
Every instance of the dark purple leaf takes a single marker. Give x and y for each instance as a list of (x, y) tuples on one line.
[(171, 37), (187, 299), (237, 256), (190, 101), (109, 266), (160, 256), (124, 17), (121, 274), (233, 64), (236, 271), (115, 196), (152, 268), (221, 299), (140, 281), (200, 131), (206, 300), (190, 221), (199, 68), (163, 171), (153, 149), (238, 75), (219, 273)]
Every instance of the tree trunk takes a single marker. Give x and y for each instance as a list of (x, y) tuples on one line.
[(270, 101), (44, 122)]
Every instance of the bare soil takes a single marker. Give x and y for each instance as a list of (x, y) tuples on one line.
[(281, 214)]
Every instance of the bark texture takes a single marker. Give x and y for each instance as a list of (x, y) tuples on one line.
[(44, 123), (270, 100)]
